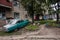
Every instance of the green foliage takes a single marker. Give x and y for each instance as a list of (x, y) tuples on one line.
[(31, 27), (2, 33), (39, 6), (53, 24), (45, 21), (36, 6)]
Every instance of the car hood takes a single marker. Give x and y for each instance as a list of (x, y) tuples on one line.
[(8, 25)]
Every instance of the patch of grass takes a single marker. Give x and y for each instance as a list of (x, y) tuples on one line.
[(45, 21), (53, 24), (2, 33), (31, 27)]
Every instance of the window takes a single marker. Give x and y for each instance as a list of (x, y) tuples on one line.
[(19, 21), (2, 15), (14, 0), (8, 0), (16, 3), (16, 15)]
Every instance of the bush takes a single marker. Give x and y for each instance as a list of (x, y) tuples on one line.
[(31, 27)]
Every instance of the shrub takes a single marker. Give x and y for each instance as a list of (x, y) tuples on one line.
[(52, 24), (31, 27)]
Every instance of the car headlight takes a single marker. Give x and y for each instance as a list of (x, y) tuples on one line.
[(5, 29)]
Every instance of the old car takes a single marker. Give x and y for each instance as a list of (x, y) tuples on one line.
[(15, 24)]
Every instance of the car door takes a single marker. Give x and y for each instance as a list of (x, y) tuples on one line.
[(19, 23)]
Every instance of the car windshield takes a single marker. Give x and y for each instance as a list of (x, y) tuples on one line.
[(12, 22)]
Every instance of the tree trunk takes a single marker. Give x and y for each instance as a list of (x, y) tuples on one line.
[(32, 4), (32, 18), (57, 18)]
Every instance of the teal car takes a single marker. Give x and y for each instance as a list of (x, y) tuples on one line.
[(15, 24)]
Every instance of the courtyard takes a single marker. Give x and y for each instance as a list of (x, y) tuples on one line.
[(43, 33)]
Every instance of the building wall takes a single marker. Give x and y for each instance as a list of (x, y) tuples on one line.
[(5, 7), (2, 23), (19, 9), (9, 14), (21, 12)]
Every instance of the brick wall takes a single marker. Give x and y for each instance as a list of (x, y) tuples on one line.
[(9, 14), (2, 23)]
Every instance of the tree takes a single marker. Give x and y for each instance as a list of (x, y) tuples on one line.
[(39, 7), (47, 3), (57, 10), (33, 7)]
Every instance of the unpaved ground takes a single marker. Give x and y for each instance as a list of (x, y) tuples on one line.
[(49, 31), (43, 33)]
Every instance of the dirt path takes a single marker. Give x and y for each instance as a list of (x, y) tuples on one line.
[(48, 31), (43, 33)]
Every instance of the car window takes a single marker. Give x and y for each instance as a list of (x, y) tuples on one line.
[(19, 21)]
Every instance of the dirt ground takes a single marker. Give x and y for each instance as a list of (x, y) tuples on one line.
[(49, 31), (43, 33)]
